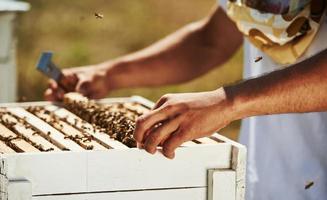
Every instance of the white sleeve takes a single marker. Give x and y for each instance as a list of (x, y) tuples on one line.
[(319, 43)]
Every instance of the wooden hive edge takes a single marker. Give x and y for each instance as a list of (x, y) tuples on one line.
[(238, 163), (3, 179)]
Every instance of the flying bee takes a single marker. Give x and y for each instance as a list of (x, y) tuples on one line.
[(257, 59), (308, 185), (98, 15)]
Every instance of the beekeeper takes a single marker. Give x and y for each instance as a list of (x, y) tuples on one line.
[(282, 98)]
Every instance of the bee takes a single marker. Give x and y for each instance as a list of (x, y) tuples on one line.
[(257, 59), (50, 149), (308, 185), (98, 15)]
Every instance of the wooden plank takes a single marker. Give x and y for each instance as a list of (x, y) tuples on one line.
[(171, 194), (29, 135), (25, 104), (221, 185), (143, 170), (143, 101), (5, 149), (217, 138), (80, 137), (83, 140), (117, 169), (51, 173), (57, 138), (189, 144), (134, 99), (15, 142), (206, 140), (8, 77), (19, 190), (134, 106), (3, 165), (3, 183), (80, 124), (3, 178), (238, 164)]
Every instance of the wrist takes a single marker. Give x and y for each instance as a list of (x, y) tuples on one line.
[(226, 105), (243, 105)]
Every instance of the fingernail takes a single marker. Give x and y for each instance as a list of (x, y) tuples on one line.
[(170, 156), (151, 151), (140, 146)]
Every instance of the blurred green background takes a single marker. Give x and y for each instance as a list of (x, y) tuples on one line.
[(77, 37)]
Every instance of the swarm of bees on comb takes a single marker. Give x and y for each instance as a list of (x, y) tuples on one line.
[(117, 120), (77, 123)]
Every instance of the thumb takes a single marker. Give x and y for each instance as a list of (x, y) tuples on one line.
[(84, 87)]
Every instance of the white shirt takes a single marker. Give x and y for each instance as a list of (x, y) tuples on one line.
[(284, 151)]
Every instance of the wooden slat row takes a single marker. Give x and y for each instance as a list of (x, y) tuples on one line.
[(45, 130), (204, 140), (14, 142), (86, 127), (80, 137), (55, 128), (5, 149), (207, 140), (28, 133)]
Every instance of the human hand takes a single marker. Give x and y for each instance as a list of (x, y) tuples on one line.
[(89, 81), (177, 118)]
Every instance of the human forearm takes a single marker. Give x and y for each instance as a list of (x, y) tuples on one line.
[(185, 54), (296, 89), (182, 56)]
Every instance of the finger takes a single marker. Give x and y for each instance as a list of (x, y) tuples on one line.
[(154, 138), (140, 146), (49, 95), (84, 87), (146, 135), (149, 120), (52, 84), (160, 102), (71, 78), (69, 81), (174, 141), (56, 89), (54, 93)]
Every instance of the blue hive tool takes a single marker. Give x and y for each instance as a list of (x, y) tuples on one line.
[(48, 68)]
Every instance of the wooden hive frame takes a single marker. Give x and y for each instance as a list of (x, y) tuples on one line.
[(208, 168)]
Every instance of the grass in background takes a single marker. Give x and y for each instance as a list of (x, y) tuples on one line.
[(70, 29)]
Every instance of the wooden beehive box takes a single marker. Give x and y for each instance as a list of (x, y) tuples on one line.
[(55, 164)]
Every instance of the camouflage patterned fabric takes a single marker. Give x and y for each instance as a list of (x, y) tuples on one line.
[(284, 29)]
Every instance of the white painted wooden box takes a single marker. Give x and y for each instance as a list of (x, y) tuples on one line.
[(208, 168), (8, 11)]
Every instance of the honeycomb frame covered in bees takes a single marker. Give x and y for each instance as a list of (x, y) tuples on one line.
[(51, 151)]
